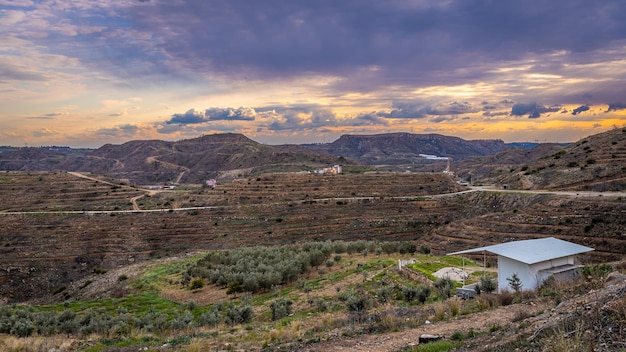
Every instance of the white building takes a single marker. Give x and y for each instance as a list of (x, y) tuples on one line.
[(533, 261)]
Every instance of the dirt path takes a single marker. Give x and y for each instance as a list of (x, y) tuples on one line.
[(397, 340)]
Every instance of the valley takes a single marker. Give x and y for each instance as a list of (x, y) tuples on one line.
[(74, 237)]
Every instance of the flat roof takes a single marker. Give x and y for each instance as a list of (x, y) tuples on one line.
[(532, 251)]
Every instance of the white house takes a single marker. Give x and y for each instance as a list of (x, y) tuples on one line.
[(533, 260)]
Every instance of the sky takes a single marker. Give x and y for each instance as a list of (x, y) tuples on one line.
[(84, 73)]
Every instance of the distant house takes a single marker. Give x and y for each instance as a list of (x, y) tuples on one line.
[(533, 261), (335, 169), (211, 183)]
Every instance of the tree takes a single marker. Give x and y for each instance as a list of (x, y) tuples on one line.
[(280, 308), (444, 287), (487, 284), (514, 282)]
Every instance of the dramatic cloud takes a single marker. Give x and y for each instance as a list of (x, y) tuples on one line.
[(190, 117), (616, 106), (580, 109), (533, 110), (463, 67), (213, 114), (242, 114)]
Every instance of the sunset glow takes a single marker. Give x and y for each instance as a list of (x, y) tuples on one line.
[(85, 72)]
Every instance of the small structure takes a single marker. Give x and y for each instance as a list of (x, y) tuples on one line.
[(402, 263), (335, 169), (211, 183), (533, 261)]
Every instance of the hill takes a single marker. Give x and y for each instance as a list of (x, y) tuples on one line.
[(225, 156), (491, 168), (405, 148), (596, 163), (194, 160)]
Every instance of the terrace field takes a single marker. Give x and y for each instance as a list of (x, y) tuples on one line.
[(76, 241)]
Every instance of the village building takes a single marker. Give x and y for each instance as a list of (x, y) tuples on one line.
[(534, 261)]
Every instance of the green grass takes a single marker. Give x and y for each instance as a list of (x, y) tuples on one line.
[(437, 346), (157, 276), (136, 304)]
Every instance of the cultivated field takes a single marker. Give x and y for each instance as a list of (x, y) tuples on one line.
[(68, 238)]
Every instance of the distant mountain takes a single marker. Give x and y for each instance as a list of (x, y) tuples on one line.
[(405, 148), (195, 160), (596, 162), (36, 158)]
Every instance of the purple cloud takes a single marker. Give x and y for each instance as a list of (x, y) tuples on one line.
[(616, 106), (580, 109), (533, 110)]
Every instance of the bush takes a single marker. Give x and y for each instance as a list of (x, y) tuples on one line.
[(384, 294), (197, 284), (419, 293), (487, 284), (22, 327), (280, 308), (210, 318), (444, 287), (357, 304)]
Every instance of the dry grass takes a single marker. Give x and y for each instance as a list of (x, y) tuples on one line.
[(35, 344), (454, 305), (440, 310)]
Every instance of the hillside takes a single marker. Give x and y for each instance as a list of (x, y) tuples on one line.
[(194, 160), (491, 168), (75, 226), (597, 163), (226, 156), (405, 148)]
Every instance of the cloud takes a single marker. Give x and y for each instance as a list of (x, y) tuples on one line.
[(615, 107), (241, 114), (126, 130), (533, 110), (190, 117), (580, 109), (213, 114), (495, 113), (44, 132)]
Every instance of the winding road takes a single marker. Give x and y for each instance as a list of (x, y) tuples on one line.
[(136, 209)]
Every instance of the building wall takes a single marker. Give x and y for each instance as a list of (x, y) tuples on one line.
[(528, 274), (507, 267)]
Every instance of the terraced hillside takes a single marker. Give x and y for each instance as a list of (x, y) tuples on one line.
[(595, 163), (61, 191), (41, 253), (306, 187)]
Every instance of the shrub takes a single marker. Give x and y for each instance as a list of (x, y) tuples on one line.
[(280, 308), (234, 287), (210, 318), (384, 294), (22, 327), (358, 303), (487, 284), (181, 322), (505, 298), (420, 293), (197, 284), (423, 293), (444, 287), (457, 336)]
